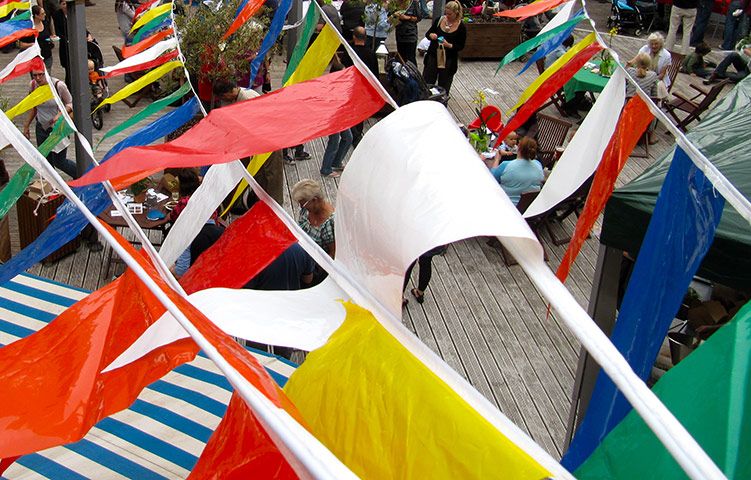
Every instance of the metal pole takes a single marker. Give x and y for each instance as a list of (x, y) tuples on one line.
[(79, 78), (293, 34)]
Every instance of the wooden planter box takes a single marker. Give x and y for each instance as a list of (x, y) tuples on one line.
[(491, 40)]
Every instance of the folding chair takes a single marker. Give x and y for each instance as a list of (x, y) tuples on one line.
[(690, 105), (551, 134), (558, 100), (674, 68)]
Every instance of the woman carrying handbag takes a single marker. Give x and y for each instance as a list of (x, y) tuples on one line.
[(447, 37)]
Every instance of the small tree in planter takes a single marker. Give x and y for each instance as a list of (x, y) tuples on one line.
[(209, 57)]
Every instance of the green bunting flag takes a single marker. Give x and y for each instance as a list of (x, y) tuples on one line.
[(151, 109), (15, 188), (59, 131), (149, 25), (535, 42), (311, 19), (709, 392)]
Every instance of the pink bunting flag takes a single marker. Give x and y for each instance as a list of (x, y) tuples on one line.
[(290, 116), (634, 120)]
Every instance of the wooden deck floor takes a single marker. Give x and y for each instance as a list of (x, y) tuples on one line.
[(486, 320)]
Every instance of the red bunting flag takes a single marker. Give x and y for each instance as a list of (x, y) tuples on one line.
[(250, 8), (240, 448), (546, 90), (634, 120), (129, 51), (143, 66), (289, 116), (35, 63), (248, 246)]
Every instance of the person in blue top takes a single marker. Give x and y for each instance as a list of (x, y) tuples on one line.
[(524, 174)]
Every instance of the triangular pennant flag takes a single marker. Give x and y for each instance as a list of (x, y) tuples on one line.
[(535, 42), (141, 82), (145, 59), (245, 11), (24, 62), (311, 20), (337, 101), (270, 39), (129, 51), (152, 27), (679, 235), (15, 188), (150, 110), (254, 165), (40, 95), (530, 10), (317, 58), (633, 122), (144, 7), (550, 45), (158, 12)]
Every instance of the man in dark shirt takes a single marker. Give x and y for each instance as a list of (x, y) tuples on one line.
[(291, 270), (367, 55)]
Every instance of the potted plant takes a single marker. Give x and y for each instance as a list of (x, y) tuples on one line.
[(138, 189), (480, 137)]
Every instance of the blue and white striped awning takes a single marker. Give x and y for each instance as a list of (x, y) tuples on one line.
[(160, 436)]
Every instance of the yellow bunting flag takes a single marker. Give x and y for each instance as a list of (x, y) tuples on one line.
[(37, 97), (317, 58), (133, 87), (255, 164), (150, 15), (384, 414), (589, 39), (9, 7)]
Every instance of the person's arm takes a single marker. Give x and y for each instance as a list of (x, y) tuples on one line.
[(432, 33), (182, 264), (459, 41), (29, 119)]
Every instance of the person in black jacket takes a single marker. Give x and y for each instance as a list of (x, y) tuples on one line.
[(447, 33)]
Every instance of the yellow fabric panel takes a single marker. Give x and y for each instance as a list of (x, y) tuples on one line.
[(562, 60), (9, 7), (150, 15), (37, 97), (318, 56), (255, 164), (133, 87), (386, 415)]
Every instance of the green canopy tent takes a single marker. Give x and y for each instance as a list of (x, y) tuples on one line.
[(724, 137)]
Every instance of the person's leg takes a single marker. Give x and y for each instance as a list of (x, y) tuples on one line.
[(328, 156), (426, 267), (58, 160), (702, 20), (48, 63), (345, 141), (445, 79), (688, 24), (408, 274), (721, 70), (407, 51), (300, 153), (430, 69), (731, 26), (675, 21)]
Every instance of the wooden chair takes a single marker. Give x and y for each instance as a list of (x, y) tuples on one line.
[(558, 100), (573, 204), (674, 68), (535, 223), (551, 134), (691, 106)]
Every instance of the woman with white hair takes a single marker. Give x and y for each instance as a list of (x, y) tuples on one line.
[(316, 214), (659, 56)]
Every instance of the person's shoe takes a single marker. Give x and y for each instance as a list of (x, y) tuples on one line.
[(339, 168), (95, 246), (288, 160), (302, 156), (331, 175), (712, 79)]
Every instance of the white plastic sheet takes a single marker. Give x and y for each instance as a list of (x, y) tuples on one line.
[(22, 57), (582, 156), (147, 55)]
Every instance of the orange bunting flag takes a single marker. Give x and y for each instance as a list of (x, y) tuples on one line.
[(250, 8), (530, 10), (633, 123), (129, 51), (240, 448)]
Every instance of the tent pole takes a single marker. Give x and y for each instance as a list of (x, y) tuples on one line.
[(602, 308)]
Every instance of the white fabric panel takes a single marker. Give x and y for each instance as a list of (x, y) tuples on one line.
[(413, 183), (563, 15), (23, 56), (303, 319), (147, 55), (218, 182), (583, 154)]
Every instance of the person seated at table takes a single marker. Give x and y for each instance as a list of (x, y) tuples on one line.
[(509, 147), (647, 81), (695, 64), (660, 58), (559, 51), (523, 174)]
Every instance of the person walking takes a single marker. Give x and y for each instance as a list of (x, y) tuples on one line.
[(683, 12), (447, 37)]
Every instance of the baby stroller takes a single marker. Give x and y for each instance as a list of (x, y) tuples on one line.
[(405, 80), (94, 54), (633, 14)]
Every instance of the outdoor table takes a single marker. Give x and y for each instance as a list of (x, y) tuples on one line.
[(143, 221), (585, 81)]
